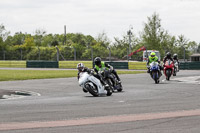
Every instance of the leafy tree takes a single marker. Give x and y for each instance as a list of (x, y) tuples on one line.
[(18, 38), (47, 40), (28, 43), (103, 40), (182, 43), (38, 38), (3, 32), (119, 47), (198, 48), (3, 36), (153, 35), (192, 46)]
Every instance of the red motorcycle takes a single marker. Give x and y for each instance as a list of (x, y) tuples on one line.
[(168, 69)]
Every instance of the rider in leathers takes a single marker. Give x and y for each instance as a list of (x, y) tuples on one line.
[(152, 58), (82, 68), (101, 65), (167, 57), (175, 58)]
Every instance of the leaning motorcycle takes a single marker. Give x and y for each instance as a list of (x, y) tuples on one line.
[(155, 71), (111, 80), (93, 85), (175, 67), (168, 69)]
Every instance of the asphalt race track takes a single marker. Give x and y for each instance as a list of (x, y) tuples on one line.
[(143, 106)]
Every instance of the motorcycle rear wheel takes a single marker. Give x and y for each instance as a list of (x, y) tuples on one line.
[(120, 89), (109, 92)]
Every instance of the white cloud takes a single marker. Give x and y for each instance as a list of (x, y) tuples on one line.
[(94, 16)]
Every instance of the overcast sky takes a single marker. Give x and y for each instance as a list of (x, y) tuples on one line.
[(92, 17)]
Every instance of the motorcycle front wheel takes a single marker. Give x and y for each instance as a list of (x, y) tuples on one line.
[(174, 74), (92, 90), (168, 74), (156, 79)]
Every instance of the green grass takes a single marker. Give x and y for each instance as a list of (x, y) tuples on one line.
[(10, 75), (129, 72), (13, 64), (73, 64), (6, 75), (137, 65)]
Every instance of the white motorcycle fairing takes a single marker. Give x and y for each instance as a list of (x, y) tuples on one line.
[(176, 65), (90, 79)]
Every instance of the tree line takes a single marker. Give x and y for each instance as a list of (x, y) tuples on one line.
[(41, 46)]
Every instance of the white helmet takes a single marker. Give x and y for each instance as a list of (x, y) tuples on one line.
[(80, 66)]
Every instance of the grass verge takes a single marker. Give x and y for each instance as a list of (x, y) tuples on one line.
[(10, 75), (13, 64)]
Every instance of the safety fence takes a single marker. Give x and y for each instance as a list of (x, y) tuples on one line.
[(73, 64), (42, 64), (190, 65)]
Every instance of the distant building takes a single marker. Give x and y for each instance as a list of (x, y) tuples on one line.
[(195, 57)]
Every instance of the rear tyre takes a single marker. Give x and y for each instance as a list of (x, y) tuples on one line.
[(120, 89), (110, 83), (109, 91)]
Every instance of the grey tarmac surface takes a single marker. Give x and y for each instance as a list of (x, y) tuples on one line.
[(63, 100)]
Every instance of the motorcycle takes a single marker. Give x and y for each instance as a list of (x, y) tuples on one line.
[(155, 72), (93, 85), (168, 69), (176, 69), (111, 80)]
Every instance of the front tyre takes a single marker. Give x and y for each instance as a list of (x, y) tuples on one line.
[(92, 90), (168, 73), (155, 77), (174, 74)]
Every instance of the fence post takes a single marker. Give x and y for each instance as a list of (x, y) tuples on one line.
[(92, 53), (4, 55), (127, 54), (21, 53), (74, 53), (57, 53), (39, 52), (109, 54)]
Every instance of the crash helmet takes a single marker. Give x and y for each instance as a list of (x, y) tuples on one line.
[(97, 61), (153, 54), (175, 56), (80, 67), (168, 55)]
